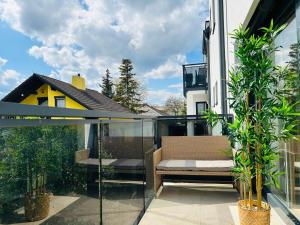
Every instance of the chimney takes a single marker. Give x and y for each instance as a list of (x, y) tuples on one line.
[(78, 82)]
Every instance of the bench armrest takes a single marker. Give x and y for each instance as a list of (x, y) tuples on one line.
[(157, 157), (82, 155)]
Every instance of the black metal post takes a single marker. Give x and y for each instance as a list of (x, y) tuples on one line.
[(100, 147)]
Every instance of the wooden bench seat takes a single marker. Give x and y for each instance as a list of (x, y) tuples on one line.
[(197, 155)]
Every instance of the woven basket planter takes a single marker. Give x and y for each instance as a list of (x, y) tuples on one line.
[(37, 207), (254, 216)]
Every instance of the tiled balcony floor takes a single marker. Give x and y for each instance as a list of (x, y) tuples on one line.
[(190, 204)]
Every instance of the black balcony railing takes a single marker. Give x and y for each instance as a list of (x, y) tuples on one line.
[(194, 77)]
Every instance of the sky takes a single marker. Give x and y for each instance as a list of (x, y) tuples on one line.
[(63, 38)]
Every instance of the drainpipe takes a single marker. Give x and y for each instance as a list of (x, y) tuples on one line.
[(222, 59)]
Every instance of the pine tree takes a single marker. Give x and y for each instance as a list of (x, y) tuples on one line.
[(107, 85), (127, 89)]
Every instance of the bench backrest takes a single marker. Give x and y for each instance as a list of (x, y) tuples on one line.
[(196, 148), (126, 147)]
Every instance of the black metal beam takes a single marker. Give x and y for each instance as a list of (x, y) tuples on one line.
[(61, 122), (222, 59), (43, 122), (194, 64), (190, 117), (16, 109), (279, 11)]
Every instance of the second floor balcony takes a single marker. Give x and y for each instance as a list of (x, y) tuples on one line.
[(194, 77)]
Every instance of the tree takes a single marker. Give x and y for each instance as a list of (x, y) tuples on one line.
[(183, 110), (128, 88), (107, 85), (175, 105)]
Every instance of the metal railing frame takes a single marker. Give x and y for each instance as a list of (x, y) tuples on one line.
[(15, 115)]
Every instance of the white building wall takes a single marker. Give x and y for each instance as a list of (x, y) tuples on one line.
[(214, 58), (195, 96), (236, 13), (234, 18)]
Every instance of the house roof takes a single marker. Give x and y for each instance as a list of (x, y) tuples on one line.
[(157, 111), (88, 98)]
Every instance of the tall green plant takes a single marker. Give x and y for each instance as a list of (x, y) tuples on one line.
[(265, 121)]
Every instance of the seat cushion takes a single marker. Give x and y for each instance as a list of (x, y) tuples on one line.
[(116, 163), (124, 163), (196, 165)]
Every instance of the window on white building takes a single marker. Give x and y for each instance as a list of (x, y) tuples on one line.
[(201, 107)]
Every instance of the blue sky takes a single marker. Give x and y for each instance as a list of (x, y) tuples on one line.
[(60, 39)]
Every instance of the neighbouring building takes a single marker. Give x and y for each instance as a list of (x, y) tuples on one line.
[(153, 111), (195, 90), (47, 91), (218, 47)]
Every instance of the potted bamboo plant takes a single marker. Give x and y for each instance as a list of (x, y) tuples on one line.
[(33, 154), (262, 98), (35, 148)]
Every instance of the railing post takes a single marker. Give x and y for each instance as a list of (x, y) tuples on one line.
[(100, 148)]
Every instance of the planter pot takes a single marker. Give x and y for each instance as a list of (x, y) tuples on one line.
[(254, 216), (37, 207)]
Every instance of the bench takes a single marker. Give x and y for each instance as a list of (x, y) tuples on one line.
[(197, 155), (82, 158)]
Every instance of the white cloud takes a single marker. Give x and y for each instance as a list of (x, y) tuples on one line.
[(156, 34), (9, 79), (177, 86), (9, 76), (160, 96), (2, 61), (171, 68)]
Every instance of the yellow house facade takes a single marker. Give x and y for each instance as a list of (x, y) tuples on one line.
[(47, 91), (53, 97)]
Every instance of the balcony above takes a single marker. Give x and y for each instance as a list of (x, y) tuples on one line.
[(194, 77)]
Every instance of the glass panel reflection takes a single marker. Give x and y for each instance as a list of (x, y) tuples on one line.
[(41, 179), (289, 157), (122, 172)]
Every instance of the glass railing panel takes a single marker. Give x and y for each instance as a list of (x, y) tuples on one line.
[(294, 181), (189, 126), (122, 172), (45, 165), (148, 147), (195, 76)]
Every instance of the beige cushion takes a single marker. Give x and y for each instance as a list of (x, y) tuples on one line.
[(196, 165), (119, 163)]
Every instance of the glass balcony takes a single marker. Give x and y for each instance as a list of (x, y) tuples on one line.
[(57, 167), (194, 77)]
